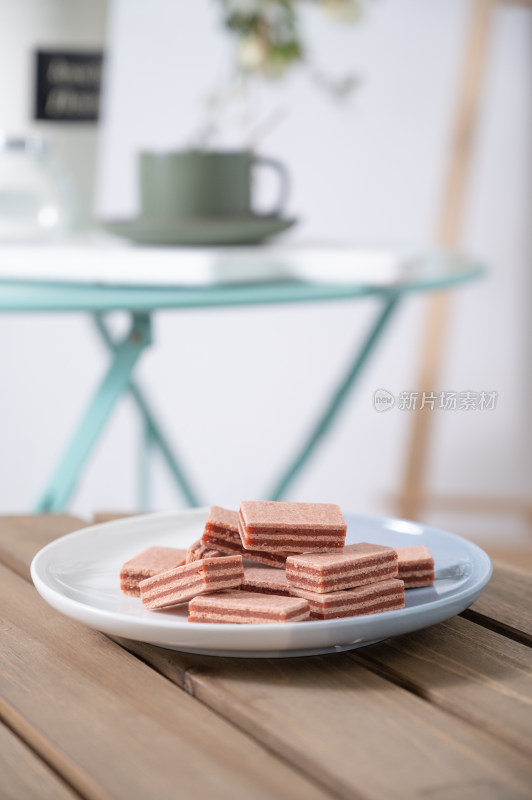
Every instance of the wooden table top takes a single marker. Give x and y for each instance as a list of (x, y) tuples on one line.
[(440, 714)]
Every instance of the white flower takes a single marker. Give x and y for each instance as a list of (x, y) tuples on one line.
[(251, 52)]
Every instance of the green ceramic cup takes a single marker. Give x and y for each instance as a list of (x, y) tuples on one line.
[(201, 184)]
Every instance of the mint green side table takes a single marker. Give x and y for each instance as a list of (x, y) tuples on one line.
[(432, 271)]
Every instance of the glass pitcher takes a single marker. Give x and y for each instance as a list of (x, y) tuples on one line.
[(36, 196)]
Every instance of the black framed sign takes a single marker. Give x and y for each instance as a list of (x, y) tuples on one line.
[(68, 85)]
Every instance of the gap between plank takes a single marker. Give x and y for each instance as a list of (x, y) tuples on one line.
[(8, 716), (60, 778), (498, 627), (186, 682), (389, 674)]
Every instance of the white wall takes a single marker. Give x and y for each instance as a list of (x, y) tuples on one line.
[(237, 388)]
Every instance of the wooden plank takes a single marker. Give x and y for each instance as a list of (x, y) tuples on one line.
[(506, 605), (111, 725), (23, 776), (21, 537), (511, 556), (339, 721), (470, 82), (468, 670), (480, 504), (333, 719), (110, 516)]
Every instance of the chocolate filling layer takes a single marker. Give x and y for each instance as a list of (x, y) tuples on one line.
[(340, 569), (157, 593), (203, 567), (384, 606), (255, 587), (279, 536), (223, 529), (218, 611), (426, 571), (294, 548), (234, 621), (271, 528), (228, 546), (353, 602), (293, 543), (130, 589), (301, 580), (411, 572), (218, 564)]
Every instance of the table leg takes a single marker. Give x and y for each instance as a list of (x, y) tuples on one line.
[(156, 434), (147, 444), (330, 412), (114, 384)]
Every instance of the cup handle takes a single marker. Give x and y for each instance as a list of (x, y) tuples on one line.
[(284, 183)]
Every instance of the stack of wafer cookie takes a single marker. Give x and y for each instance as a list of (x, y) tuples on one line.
[(305, 570), (362, 579)]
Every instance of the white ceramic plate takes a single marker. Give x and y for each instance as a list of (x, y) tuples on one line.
[(79, 576)]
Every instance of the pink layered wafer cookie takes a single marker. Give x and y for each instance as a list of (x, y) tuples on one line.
[(356, 565), (416, 566), (265, 581), (291, 527), (370, 599), (198, 550), (221, 533), (184, 583), (147, 564), (247, 608)]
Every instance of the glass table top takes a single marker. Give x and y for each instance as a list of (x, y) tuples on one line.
[(105, 277)]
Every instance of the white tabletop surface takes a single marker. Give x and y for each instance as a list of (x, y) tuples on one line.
[(103, 259)]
